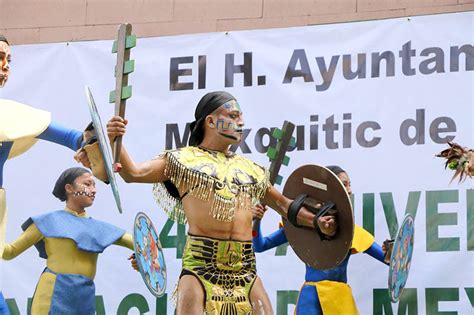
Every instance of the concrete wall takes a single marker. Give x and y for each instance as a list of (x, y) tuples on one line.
[(44, 21)]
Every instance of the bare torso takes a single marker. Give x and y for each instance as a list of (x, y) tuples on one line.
[(202, 223)]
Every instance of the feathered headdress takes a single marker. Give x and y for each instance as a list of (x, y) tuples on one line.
[(457, 159)]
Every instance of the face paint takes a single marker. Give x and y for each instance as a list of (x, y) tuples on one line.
[(5, 59), (226, 124), (229, 121), (86, 192), (87, 183), (232, 106)]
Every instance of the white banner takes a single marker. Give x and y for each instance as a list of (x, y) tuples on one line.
[(378, 98)]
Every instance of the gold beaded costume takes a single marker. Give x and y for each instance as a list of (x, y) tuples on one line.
[(225, 268)]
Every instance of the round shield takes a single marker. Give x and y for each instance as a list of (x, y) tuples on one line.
[(401, 258), (322, 186), (149, 255), (104, 147)]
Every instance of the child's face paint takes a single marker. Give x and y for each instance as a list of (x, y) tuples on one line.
[(84, 187)]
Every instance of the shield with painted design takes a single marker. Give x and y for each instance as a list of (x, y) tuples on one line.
[(104, 147), (149, 255), (400, 260), (322, 186)]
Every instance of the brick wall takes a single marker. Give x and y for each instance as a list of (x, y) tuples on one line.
[(44, 21)]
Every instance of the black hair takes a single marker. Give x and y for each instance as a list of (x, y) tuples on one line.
[(208, 103), (335, 169), (67, 177), (4, 39)]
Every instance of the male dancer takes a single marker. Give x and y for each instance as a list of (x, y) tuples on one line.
[(213, 189)]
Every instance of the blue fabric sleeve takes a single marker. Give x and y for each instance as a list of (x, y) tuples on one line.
[(376, 251), (67, 137), (3, 305), (56, 133), (261, 244)]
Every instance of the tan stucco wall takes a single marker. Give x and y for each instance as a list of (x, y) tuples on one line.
[(43, 21)]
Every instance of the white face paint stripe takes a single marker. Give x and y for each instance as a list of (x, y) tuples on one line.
[(315, 184)]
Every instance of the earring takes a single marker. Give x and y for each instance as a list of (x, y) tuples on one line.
[(211, 125)]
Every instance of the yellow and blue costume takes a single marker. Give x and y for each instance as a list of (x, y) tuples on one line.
[(20, 127), (324, 291), (71, 244)]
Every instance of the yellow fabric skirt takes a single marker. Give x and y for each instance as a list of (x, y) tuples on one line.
[(3, 219), (3, 228), (43, 296), (335, 297)]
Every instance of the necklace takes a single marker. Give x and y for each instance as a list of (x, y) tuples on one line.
[(214, 152)]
